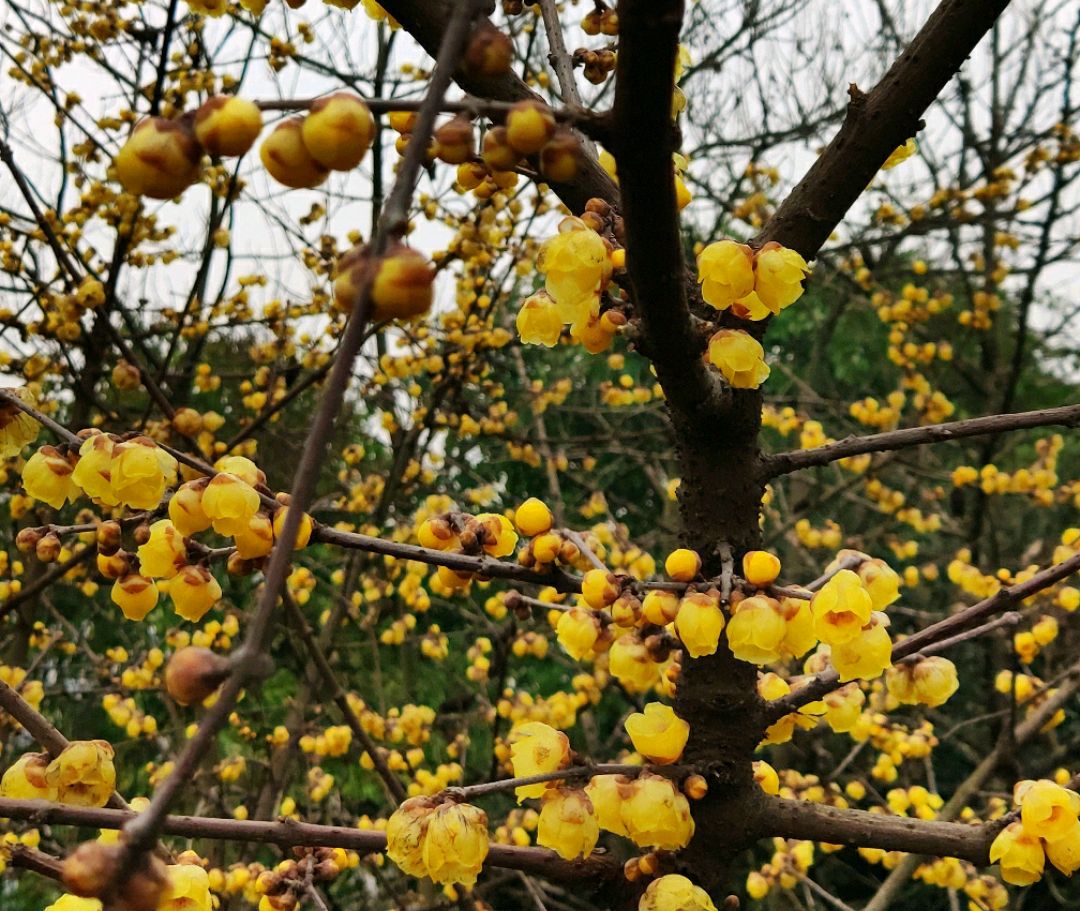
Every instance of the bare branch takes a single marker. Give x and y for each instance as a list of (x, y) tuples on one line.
[(786, 462)]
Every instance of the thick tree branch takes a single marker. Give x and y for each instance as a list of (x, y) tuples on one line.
[(878, 122), (644, 87), (288, 833), (859, 828), (786, 462)]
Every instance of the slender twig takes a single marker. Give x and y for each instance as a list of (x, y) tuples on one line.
[(786, 462)]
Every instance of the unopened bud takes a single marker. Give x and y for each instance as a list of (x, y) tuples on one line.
[(489, 52), (107, 536), (87, 871), (47, 550), (194, 673), (27, 539)]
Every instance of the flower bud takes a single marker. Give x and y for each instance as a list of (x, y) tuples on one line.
[(194, 591), (682, 565), (126, 376), (529, 126), (561, 157), (497, 153), (160, 158), (194, 673), (488, 53), (108, 535), (47, 549), (288, 160), (455, 139), (88, 870), (227, 126), (338, 131)]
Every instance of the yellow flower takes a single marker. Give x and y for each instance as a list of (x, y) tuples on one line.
[(799, 635), (778, 276), (595, 334), (405, 830), (739, 357), (499, 538), (766, 777), (658, 734), (576, 266), (75, 903), (756, 631), (841, 608), (843, 707), (94, 469), (656, 814), (164, 553), (673, 892), (258, 540), (186, 889), (682, 565), (243, 468), (660, 607), (533, 518), (900, 154), (456, 843), (1019, 854), (577, 631), (537, 748), (186, 509), (17, 428), (26, 780), (1064, 852), (607, 793), (568, 824), (230, 502), (1047, 810), (47, 477), (699, 623), (867, 655), (599, 588), (757, 886), (139, 473), (881, 581), (929, 681), (303, 531), (194, 591), (135, 595), (83, 774), (629, 663), (751, 307), (760, 568), (539, 321), (726, 273)]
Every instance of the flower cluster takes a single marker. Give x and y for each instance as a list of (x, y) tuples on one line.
[(752, 284), (445, 841), (1048, 829)]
